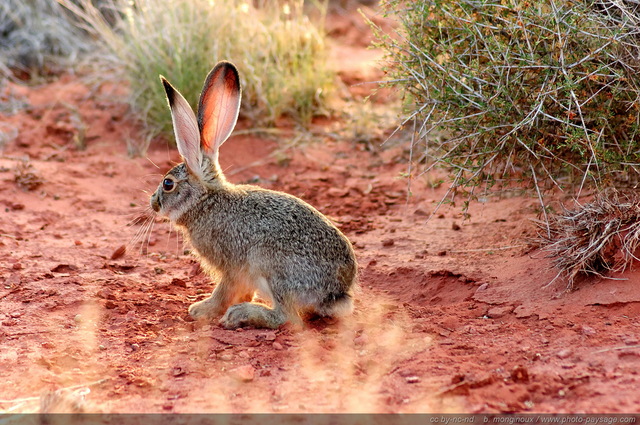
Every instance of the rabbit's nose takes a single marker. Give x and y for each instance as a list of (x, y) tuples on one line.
[(155, 202)]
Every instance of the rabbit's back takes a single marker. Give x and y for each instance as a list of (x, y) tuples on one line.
[(274, 234)]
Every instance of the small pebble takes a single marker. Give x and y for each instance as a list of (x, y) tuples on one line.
[(244, 373), (420, 212), (406, 373), (119, 252), (588, 330), (388, 242), (564, 353), (277, 346), (178, 282), (483, 287), (497, 312), (337, 192), (361, 340), (267, 336), (16, 266), (135, 347), (412, 379), (520, 374), (178, 371), (78, 318)]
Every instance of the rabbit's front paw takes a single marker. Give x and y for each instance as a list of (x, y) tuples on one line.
[(205, 309)]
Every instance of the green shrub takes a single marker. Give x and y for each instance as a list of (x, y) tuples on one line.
[(526, 91), (279, 52)]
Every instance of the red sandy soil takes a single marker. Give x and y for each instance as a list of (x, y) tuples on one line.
[(451, 315)]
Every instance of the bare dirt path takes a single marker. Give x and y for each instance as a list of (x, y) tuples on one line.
[(451, 315)]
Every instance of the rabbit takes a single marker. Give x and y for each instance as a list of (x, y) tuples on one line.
[(254, 239)]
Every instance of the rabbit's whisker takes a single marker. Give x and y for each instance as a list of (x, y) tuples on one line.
[(139, 217), (150, 227), (143, 231), (153, 163), (154, 175)]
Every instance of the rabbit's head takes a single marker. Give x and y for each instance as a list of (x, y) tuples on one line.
[(199, 140)]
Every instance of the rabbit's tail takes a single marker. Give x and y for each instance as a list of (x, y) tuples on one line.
[(336, 305)]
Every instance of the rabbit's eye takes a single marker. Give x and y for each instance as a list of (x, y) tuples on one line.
[(168, 185)]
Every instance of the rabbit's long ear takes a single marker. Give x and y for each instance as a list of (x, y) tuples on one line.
[(185, 127), (219, 107)]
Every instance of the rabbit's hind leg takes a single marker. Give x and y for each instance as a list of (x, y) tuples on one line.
[(260, 316)]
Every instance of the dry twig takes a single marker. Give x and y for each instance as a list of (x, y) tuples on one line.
[(599, 237)]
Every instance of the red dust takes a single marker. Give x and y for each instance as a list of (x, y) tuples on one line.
[(451, 315)]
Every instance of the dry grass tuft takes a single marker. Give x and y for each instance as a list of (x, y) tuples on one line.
[(279, 51), (38, 38), (599, 237), (27, 177)]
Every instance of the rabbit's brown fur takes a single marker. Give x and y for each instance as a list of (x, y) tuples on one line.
[(253, 238)]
